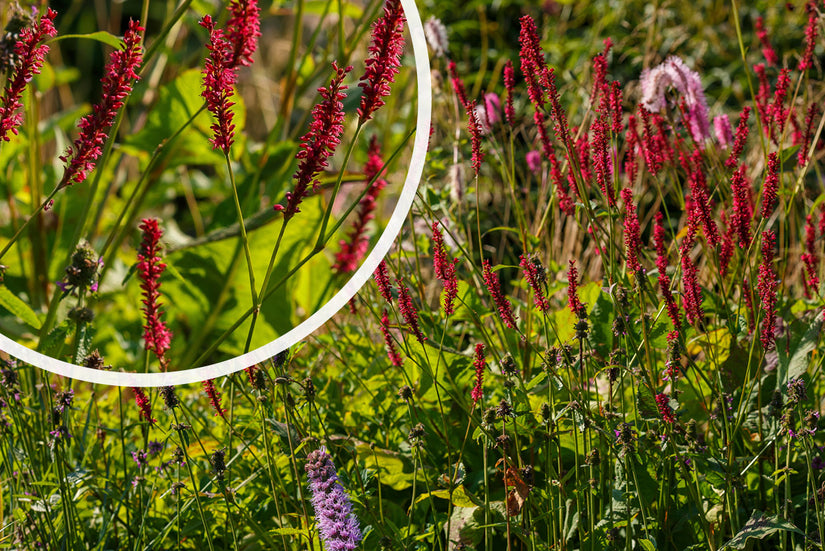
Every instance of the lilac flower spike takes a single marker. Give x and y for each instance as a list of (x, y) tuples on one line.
[(673, 72), (338, 526)]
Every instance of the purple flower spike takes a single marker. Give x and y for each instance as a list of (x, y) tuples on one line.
[(337, 524)]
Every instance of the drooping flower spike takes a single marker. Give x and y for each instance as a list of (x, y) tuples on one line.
[(219, 79)]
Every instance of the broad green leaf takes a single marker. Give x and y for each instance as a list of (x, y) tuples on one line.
[(794, 364), (99, 36), (760, 527), (461, 498), (9, 301), (391, 467)]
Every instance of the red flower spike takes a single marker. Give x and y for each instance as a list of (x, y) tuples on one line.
[(810, 117), (392, 351), (458, 85), (243, 30), (355, 246), (727, 247), (144, 405), (384, 59), (474, 127), (810, 258), (615, 102), (214, 397), (767, 285), (31, 55), (811, 32), (408, 311), (692, 293), (767, 49), (444, 268), (771, 186), (509, 85), (742, 209), (576, 306), (663, 403), (119, 75), (600, 73), (602, 157), (319, 144), (219, 77), (739, 140), (534, 274), (661, 266), (156, 336), (632, 230), (382, 279), (479, 363), (777, 110), (631, 162), (505, 309)]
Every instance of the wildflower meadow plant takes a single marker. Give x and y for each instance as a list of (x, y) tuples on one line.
[(599, 329)]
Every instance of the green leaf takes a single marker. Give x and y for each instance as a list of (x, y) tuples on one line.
[(647, 545), (794, 364), (760, 527), (55, 340), (18, 308), (99, 36), (461, 497)]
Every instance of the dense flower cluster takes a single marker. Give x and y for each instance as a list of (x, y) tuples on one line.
[(144, 405), (382, 279), (30, 54), (318, 145), (118, 78), (408, 311), (767, 285), (674, 73), (505, 309), (219, 79), (536, 278), (337, 524), (383, 63), (479, 363), (392, 351), (149, 267), (444, 268), (214, 397)]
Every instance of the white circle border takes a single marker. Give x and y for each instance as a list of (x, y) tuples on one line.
[(321, 316)]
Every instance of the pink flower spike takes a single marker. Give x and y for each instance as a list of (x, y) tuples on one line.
[(156, 336), (739, 140), (740, 221), (771, 187), (355, 247), (767, 49), (509, 85), (219, 85), (319, 143), (243, 30), (408, 311), (392, 351), (214, 397), (458, 85), (505, 309), (661, 266), (663, 403), (536, 278), (724, 133), (479, 363), (144, 405), (576, 306), (811, 32), (474, 127), (631, 234), (444, 268), (384, 60), (767, 285), (382, 279), (119, 75), (810, 258), (31, 55)]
